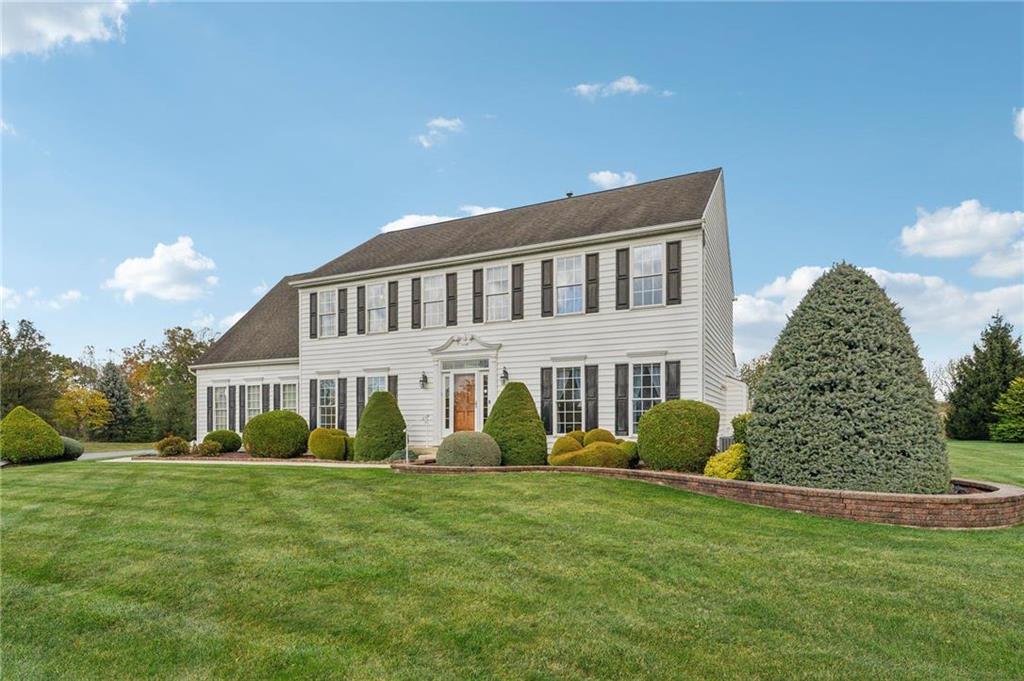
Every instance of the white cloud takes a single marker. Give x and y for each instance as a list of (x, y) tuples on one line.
[(417, 220), (587, 90), (229, 321), (1005, 264), (967, 229), (1018, 124), (69, 297), (38, 28), (606, 179), (173, 272), (203, 321), (260, 288), (626, 85), (438, 130), (9, 298), (7, 129)]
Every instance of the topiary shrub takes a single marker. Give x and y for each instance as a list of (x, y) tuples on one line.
[(328, 443), (172, 446), (844, 402), (598, 435), (739, 428), (564, 444), (1009, 413), (516, 427), (632, 450), (381, 428), (205, 448), (597, 454), (678, 435), (72, 448), (578, 435), (26, 437), (730, 464), (229, 440), (275, 434), (469, 449)]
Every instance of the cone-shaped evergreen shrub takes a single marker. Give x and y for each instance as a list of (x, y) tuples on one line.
[(1009, 412), (26, 437), (328, 443), (381, 428), (276, 434), (516, 427), (844, 402)]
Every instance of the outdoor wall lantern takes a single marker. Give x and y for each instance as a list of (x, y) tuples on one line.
[(424, 381), (504, 375)]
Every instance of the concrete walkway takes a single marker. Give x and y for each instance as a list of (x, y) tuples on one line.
[(229, 462)]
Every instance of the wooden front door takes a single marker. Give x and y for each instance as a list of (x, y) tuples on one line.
[(465, 402)]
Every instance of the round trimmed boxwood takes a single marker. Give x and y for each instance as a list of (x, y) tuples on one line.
[(739, 428), (578, 435), (275, 434), (678, 435), (229, 440), (381, 428), (597, 435), (730, 464), (469, 449), (26, 437), (328, 443), (597, 454), (566, 443), (516, 427), (72, 448)]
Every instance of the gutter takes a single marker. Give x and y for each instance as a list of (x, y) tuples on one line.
[(244, 363)]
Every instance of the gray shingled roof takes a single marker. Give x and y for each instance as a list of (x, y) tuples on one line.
[(270, 330)]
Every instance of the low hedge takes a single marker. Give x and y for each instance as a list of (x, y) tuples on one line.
[(516, 427), (381, 428), (72, 448), (26, 437), (276, 434), (469, 449), (229, 440), (563, 445), (739, 428), (678, 435), (328, 443), (598, 435), (730, 464), (597, 454), (172, 446)]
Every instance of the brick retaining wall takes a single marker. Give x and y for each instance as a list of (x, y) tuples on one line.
[(989, 505)]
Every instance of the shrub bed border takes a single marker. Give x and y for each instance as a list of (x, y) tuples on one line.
[(988, 505)]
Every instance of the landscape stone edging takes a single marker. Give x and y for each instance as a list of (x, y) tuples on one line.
[(994, 505)]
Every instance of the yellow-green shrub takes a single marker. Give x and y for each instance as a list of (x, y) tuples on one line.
[(632, 450), (597, 454), (328, 443), (598, 435), (730, 464), (578, 435), (565, 444)]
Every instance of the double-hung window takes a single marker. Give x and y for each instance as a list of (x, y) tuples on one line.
[(646, 389), (569, 284), (648, 275), (375, 384), (328, 311), (496, 293), (569, 399), (377, 307), (220, 408), (290, 397), (253, 401), (328, 412), (433, 300)]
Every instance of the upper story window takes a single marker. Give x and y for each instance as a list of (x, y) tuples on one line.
[(377, 307), (496, 293), (328, 411), (648, 279), (290, 397), (569, 284), (220, 408), (433, 300), (328, 311), (376, 384), (253, 401)]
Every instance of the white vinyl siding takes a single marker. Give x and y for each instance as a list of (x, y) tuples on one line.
[(433, 301), (327, 304), (290, 397), (253, 401), (648, 275), (220, 408), (327, 416), (497, 281), (568, 399), (647, 389), (569, 284), (377, 308)]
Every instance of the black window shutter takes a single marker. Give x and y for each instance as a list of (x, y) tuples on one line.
[(392, 306), (241, 407), (209, 408), (277, 396), (342, 311), (417, 308), (590, 409), (478, 296), (361, 310), (342, 403), (593, 289), (360, 397), (671, 380), (673, 271), (547, 288), (313, 400), (266, 397), (231, 407), (452, 295), (393, 385), (622, 399), (517, 291), (312, 314), (622, 279), (545, 399)]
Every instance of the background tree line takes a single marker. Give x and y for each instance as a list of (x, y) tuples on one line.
[(139, 394)]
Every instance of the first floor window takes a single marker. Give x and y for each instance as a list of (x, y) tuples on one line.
[(433, 300), (253, 401), (569, 399), (220, 408), (375, 384), (328, 412), (496, 287), (328, 313), (377, 307), (648, 270), (290, 397), (646, 389), (569, 284)]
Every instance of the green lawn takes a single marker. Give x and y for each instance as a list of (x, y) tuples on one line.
[(195, 572), (998, 461), (95, 447)]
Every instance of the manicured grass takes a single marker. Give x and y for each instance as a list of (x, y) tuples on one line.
[(997, 461), (95, 447), (147, 570)]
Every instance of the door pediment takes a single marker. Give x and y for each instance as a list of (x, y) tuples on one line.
[(464, 343)]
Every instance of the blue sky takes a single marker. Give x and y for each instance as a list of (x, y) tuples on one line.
[(258, 140)]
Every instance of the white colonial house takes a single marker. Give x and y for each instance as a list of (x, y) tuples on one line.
[(602, 304)]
